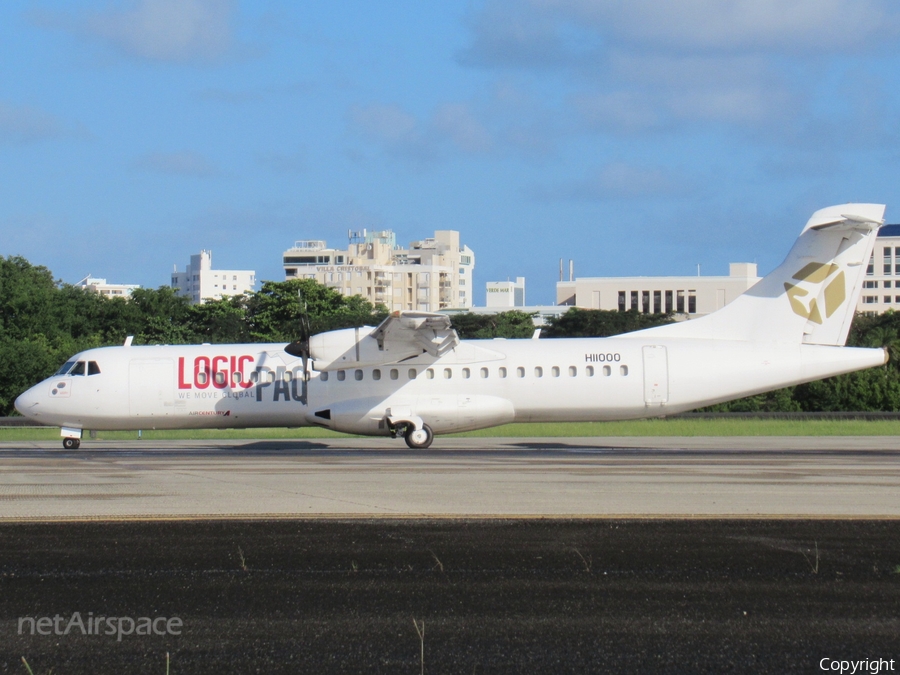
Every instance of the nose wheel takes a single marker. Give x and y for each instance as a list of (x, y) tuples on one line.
[(71, 443), (419, 439)]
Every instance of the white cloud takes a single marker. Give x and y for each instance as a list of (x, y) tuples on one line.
[(400, 133), (157, 30), (179, 163), (26, 124), (617, 180)]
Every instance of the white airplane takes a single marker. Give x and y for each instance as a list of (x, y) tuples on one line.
[(413, 377)]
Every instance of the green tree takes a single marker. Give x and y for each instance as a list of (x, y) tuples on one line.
[(601, 323)]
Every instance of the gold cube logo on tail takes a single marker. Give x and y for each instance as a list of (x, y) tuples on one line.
[(814, 274)]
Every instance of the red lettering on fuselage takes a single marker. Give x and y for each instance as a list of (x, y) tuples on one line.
[(221, 371)]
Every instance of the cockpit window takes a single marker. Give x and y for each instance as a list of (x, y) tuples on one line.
[(93, 368), (65, 367), (78, 369)]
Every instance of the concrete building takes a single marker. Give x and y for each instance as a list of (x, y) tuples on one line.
[(200, 282), (102, 287), (429, 275), (881, 286), (690, 296), (506, 294)]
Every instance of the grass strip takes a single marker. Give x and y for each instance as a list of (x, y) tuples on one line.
[(654, 427)]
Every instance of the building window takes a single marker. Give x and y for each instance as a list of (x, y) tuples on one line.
[(887, 284), (887, 299), (657, 302), (645, 302), (621, 301), (634, 300), (874, 284), (870, 270), (668, 302), (692, 303), (679, 302), (869, 299)]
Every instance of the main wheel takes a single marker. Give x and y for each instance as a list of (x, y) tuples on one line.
[(71, 443), (419, 439)]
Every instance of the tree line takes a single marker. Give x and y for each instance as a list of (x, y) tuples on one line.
[(44, 321)]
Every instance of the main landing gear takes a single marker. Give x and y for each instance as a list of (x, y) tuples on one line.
[(418, 439), (71, 443)]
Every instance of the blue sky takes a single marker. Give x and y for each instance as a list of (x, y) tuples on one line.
[(636, 138)]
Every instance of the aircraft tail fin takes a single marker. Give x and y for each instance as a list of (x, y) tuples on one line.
[(811, 297)]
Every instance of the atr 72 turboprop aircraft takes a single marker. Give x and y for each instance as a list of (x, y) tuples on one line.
[(413, 377)]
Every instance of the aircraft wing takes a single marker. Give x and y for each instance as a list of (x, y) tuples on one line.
[(427, 330)]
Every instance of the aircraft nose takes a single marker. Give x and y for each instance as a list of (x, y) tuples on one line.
[(27, 402)]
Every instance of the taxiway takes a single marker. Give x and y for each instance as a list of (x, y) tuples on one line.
[(791, 477)]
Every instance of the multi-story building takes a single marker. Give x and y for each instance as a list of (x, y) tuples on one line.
[(101, 287), (881, 286), (200, 282), (689, 296), (508, 294), (429, 275)]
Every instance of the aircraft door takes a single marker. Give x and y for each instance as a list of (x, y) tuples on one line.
[(656, 375), (150, 387)]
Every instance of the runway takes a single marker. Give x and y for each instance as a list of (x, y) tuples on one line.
[(790, 477)]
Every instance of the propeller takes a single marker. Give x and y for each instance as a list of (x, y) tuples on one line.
[(300, 346)]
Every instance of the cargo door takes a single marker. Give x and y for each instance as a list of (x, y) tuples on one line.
[(151, 384), (656, 375)]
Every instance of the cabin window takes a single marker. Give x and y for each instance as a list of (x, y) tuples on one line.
[(358, 374), (236, 378), (484, 373), (202, 377), (324, 377), (395, 374), (607, 371), (220, 378), (429, 373), (466, 373), (447, 373), (376, 374), (341, 375), (412, 373), (254, 376), (501, 372), (78, 369), (270, 376), (589, 371), (538, 371), (573, 371), (554, 371), (93, 368), (286, 376), (520, 372), (623, 370)]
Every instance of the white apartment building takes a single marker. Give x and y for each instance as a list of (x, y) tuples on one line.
[(881, 286), (102, 287), (200, 282), (429, 275), (690, 296), (506, 294)]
